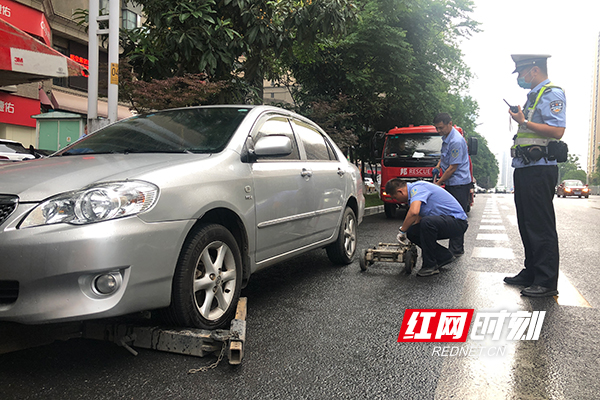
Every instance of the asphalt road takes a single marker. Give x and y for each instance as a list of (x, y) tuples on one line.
[(317, 331)]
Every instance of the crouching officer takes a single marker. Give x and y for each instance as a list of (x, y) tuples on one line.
[(535, 152), (433, 214)]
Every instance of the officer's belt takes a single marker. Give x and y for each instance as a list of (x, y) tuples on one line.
[(531, 142)]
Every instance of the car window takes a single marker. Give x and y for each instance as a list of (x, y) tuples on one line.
[(315, 144), (189, 130), (277, 126), (12, 148), (573, 183), (407, 145)]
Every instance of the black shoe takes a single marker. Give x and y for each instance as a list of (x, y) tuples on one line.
[(518, 280), (458, 254), (428, 271), (538, 291), (448, 261)]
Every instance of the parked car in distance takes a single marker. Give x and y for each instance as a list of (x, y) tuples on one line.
[(172, 210), (11, 150), (369, 185), (573, 187)]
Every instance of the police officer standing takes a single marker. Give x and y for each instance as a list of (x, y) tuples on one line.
[(457, 173), (433, 214), (541, 122)]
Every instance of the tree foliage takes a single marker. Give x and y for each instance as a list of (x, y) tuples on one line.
[(571, 169), (226, 38)]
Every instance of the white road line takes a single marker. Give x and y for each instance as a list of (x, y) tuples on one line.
[(504, 253), (501, 237), (492, 227)]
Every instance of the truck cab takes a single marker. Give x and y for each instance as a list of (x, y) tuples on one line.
[(411, 153)]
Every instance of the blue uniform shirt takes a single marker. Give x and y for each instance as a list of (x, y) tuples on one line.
[(550, 110), (434, 200), (454, 151)]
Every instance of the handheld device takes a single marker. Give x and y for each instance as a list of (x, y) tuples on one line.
[(513, 109)]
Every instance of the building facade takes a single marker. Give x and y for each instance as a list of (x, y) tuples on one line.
[(52, 114), (594, 138)]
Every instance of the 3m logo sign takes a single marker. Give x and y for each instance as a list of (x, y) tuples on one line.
[(435, 325)]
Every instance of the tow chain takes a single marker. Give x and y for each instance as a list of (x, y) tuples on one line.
[(213, 365)]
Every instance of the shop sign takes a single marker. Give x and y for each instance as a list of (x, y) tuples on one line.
[(16, 110)]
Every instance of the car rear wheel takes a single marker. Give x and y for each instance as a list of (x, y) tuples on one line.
[(342, 250), (207, 280)]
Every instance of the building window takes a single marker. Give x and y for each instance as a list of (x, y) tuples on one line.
[(62, 82), (129, 20)]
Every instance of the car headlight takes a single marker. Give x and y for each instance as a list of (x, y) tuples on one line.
[(100, 202)]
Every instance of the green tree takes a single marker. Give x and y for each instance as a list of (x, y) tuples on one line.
[(232, 40), (571, 169), (398, 65)]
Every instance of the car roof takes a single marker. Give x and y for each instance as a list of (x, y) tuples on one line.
[(10, 141)]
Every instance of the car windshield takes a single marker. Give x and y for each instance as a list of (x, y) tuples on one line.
[(573, 183), (190, 130), (12, 148), (413, 146)]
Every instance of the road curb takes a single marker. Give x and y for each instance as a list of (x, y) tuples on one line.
[(373, 210)]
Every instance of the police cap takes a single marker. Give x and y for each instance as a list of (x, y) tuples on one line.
[(526, 60)]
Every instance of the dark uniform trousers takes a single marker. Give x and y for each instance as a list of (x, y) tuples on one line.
[(534, 192), (431, 229), (462, 194)]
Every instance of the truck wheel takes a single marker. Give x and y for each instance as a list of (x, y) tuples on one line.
[(342, 250), (207, 280), (390, 210)]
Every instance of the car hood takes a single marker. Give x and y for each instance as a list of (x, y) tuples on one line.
[(37, 180)]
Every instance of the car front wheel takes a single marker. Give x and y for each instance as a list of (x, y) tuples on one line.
[(207, 280), (342, 250)]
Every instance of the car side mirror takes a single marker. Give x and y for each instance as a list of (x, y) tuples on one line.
[(273, 146), (472, 144)]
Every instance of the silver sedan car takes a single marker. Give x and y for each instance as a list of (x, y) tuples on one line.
[(173, 210)]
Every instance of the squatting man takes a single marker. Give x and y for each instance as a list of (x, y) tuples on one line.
[(433, 214)]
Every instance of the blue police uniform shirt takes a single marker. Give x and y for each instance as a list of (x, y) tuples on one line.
[(550, 110), (454, 151), (434, 200)]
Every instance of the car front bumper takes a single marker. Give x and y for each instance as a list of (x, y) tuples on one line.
[(50, 270)]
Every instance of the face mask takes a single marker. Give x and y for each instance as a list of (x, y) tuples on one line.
[(521, 81)]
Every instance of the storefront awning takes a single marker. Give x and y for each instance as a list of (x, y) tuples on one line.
[(24, 59), (78, 104)]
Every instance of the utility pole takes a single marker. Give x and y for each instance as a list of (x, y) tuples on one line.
[(94, 123)]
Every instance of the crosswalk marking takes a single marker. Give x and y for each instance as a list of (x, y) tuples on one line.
[(492, 228), (492, 221), (493, 252), (501, 237)]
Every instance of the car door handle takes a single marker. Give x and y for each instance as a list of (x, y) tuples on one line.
[(306, 173), (341, 172)]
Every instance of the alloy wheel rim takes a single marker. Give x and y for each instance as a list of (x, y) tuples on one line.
[(214, 280)]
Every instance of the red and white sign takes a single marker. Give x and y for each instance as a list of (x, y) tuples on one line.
[(452, 325), (25, 59), (435, 325), (25, 18), (16, 110), (31, 62), (415, 172)]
